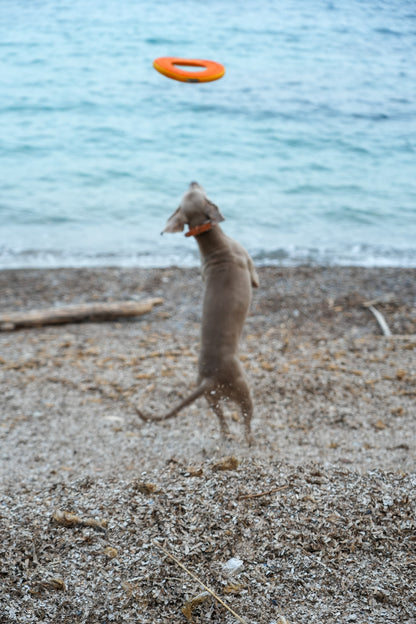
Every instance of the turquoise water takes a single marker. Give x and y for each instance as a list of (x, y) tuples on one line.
[(308, 143)]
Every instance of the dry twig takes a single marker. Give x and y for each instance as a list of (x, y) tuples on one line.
[(191, 574)]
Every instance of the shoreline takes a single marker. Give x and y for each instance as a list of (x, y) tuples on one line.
[(355, 254), (311, 293)]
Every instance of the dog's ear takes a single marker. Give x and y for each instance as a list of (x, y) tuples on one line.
[(213, 212), (176, 222)]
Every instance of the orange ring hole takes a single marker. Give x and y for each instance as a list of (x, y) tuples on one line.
[(171, 67)]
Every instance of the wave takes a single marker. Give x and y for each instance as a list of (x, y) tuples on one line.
[(353, 255)]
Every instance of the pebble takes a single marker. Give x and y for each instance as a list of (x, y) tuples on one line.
[(233, 566)]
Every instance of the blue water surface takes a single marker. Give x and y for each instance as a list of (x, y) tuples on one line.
[(308, 143)]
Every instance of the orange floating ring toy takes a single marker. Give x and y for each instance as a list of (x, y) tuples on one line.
[(168, 66)]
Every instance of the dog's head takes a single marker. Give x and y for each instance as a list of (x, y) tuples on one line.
[(195, 209)]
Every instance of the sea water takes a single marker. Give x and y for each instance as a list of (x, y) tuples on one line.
[(307, 144)]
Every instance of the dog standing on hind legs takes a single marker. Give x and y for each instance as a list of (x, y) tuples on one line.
[(229, 276)]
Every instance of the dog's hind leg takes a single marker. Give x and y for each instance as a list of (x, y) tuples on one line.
[(247, 411), (214, 404), (242, 396)]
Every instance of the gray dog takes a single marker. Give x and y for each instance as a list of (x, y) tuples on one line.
[(229, 276)]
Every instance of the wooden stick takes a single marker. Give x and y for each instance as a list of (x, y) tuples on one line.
[(240, 619), (380, 320), (76, 313), (247, 496)]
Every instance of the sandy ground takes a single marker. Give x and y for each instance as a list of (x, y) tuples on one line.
[(320, 512)]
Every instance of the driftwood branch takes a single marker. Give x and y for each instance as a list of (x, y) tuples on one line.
[(385, 329), (380, 320), (76, 313)]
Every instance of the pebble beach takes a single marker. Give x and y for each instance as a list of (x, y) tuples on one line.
[(319, 512)]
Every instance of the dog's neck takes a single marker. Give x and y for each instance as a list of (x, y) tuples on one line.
[(211, 241), (199, 229)]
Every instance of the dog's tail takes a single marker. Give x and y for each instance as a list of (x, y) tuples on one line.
[(204, 387)]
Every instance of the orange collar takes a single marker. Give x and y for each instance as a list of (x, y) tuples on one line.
[(199, 229)]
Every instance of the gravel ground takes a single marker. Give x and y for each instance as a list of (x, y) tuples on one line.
[(318, 517)]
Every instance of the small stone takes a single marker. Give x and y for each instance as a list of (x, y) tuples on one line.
[(233, 566)]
